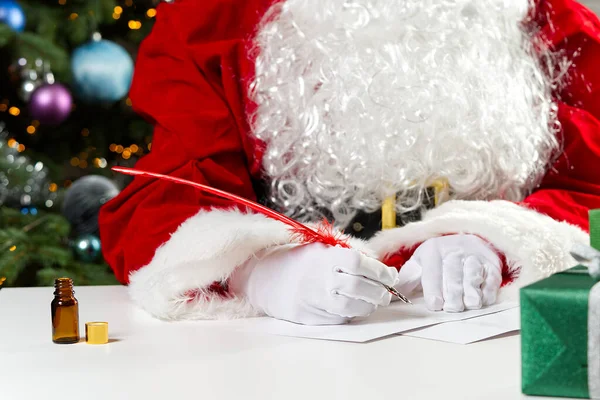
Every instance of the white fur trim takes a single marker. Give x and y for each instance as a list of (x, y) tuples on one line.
[(536, 243), (205, 249)]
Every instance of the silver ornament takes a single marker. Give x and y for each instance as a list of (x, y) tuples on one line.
[(83, 200)]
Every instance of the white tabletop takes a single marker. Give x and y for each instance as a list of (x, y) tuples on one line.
[(150, 359)]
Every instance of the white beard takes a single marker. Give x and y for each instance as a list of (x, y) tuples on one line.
[(360, 99)]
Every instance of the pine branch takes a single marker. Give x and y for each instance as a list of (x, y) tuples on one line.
[(13, 263), (38, 248), (32, 46), (6, 35), (50, 256)]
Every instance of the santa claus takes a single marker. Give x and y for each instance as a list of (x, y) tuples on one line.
[(458, 142)]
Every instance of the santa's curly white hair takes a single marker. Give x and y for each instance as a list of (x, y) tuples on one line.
[(358, 99)]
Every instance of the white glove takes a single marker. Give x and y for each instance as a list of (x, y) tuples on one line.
[(455, 272), (313, 284)]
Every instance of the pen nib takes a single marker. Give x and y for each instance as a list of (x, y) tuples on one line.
[(396, 293)]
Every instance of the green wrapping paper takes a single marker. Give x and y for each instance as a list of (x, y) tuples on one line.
[(560, 327), (594, 217), (554, 335)]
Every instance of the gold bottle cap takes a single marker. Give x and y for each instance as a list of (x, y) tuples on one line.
[(96, 332)]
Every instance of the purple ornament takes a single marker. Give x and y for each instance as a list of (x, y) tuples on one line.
[(50, 104)]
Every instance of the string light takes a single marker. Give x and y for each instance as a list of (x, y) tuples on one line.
[(128, 3), (73, 16), (12, 143), (119, 149), (112, 147), (134, 25), (62, 2), (14, 111), (83, 164), (134, 148), (128, 102), (21, 148), (126, 154), (75, 161), (150, 146), (118, 10), (35, 123), (3, 107), (151, 13), (85, 132), (67, 183), (31, 129), (100, 163), (13, 248), (53, 187)]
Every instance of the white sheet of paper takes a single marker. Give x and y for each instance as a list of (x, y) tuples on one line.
[(396, 318), (472, 330)]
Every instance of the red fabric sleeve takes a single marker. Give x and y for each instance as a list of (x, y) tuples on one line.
[(572, 186), (188, 82), (400, 257)]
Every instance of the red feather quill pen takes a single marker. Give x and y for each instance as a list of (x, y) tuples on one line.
[(323, 233)]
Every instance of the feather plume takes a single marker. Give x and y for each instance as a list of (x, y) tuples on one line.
[(322, 233)]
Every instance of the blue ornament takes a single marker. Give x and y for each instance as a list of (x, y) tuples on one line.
[(87, 248), (102, 71), (12, 15)]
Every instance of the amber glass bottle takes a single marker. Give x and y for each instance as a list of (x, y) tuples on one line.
[(65, 313)]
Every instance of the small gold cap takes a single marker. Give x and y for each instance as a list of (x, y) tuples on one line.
[(96, 332)]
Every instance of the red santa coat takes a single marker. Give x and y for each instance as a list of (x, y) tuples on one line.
[(171, 243)]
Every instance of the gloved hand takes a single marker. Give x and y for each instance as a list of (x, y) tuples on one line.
[(313, 284), (455, 272)]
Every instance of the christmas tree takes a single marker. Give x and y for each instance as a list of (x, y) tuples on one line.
[(65, 119)]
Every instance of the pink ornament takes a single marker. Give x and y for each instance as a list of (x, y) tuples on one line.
[(50, 104)]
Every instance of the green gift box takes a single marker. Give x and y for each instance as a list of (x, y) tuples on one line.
[(560, 331)]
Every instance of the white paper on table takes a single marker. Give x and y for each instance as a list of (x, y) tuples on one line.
[(472, 330), (396, 318)]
